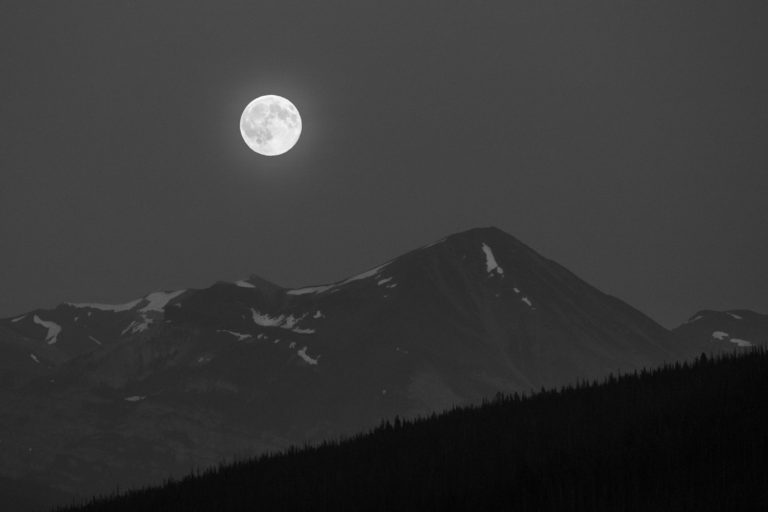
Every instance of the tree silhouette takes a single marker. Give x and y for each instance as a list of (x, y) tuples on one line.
[(682, 437)]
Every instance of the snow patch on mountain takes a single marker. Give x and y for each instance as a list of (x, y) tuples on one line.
[(240, 336), (387, 283), (310, 289), (517, 290), (265, 320), (34, 358), (321, 288), (527, 301), (724, 336), (18, 319), (491, 266), (53, 329), (94, 340), (734, 315), (288, 322), (158, 300), (116, 308), (134, 398), (695, 318), (318, 314), (364, 275), (291, 321), (137, 326), (244, 284), (307, 359)]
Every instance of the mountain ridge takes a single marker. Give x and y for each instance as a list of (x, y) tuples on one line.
[(96, 394)]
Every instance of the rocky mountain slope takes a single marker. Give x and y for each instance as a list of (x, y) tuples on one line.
[(94, 395)]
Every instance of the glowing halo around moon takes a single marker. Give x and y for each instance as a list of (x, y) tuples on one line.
[(270, 125)]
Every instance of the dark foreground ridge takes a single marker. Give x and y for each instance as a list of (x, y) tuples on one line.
[(682, 437)]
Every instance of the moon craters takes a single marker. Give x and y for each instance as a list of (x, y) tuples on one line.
[(270, 125)]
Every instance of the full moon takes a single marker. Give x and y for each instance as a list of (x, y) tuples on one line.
[(270, 125)]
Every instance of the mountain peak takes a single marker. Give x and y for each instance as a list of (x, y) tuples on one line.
[(258, 282), (483, 230), (488, 233), (724, 330), (731, 314)]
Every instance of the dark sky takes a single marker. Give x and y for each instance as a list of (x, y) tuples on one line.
[(627, 140)]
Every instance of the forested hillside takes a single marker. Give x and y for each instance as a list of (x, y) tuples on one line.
[(682, 437)]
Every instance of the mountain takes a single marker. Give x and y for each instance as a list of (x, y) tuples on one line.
[(94, 395), (720, 331), (591, 447)]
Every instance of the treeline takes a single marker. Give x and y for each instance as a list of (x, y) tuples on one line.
[(682, 437)]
